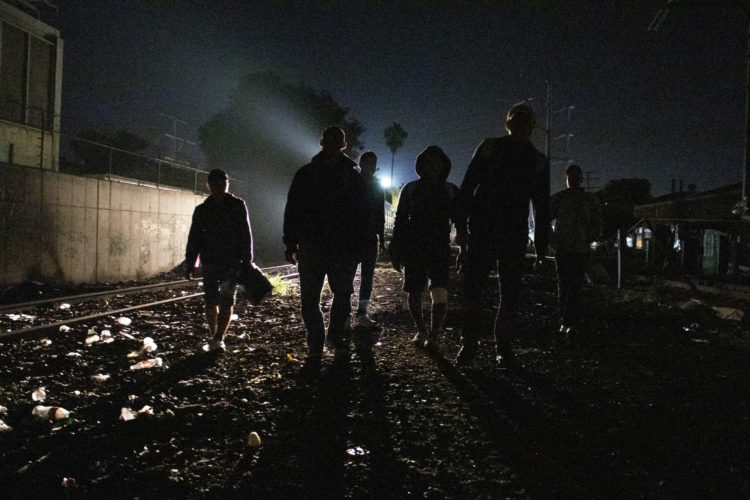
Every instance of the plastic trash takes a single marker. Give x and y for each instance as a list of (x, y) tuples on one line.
[(234, 317), (147, 363), (3, 410), (74, 354), (122, 320), (126, 414), (106, 337), (253, 440), (46, 342), (64, 328), (100, 378), (92, 339), (149, 345), (729, 313), (39, 395), (5, 427), (50, 412), (69, 482), (64, 306)]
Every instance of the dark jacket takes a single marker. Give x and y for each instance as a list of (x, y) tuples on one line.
[(425, 211), (503, 176), (578, 221), (220, 232), (324, 207)]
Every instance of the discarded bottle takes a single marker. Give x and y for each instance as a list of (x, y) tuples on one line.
[(147, 363), (50, 412), (39, 395)]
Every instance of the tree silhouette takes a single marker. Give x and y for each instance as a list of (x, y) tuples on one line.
[(394, 138), (268, 130)]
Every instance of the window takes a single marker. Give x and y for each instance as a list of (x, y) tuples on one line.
[(13, 74), (27, 77)]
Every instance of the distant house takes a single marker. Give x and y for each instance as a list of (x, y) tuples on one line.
[(697, 231), (31, 55)]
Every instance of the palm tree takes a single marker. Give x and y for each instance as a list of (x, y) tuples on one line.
[(394, 138)]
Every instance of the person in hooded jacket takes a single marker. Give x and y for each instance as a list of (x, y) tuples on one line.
[(421, 239), (220, 233), (323, 219)]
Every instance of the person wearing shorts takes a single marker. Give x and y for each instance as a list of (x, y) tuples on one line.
[(421, 235), (220, 234)]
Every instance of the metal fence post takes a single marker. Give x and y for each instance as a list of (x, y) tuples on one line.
[(619, 259)]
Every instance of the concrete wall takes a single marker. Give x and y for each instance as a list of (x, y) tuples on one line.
[(63, 228), (21, 144)]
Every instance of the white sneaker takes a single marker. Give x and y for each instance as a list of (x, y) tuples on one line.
[(364, 321), (217, 345)]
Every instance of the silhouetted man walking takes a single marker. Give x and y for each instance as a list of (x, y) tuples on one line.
[(503, 176), (220, 234), (322, 231)]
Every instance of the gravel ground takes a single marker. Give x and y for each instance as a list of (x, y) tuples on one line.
[(649, 400)]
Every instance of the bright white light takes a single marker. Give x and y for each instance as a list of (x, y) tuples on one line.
[(385, 181)]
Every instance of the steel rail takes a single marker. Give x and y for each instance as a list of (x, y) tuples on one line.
[(11, 335), (39, 329), (84, 297), (103, 294)]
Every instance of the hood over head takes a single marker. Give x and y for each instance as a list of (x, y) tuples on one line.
[(433, 152)]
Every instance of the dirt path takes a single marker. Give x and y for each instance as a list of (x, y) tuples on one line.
[(635, 406)]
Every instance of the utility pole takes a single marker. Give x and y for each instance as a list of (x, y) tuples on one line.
[(654, 26), (175, 138)]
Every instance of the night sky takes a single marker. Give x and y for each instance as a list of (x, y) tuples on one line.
[(659, 105)]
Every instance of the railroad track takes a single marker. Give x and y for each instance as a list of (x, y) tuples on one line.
[(284, 272)]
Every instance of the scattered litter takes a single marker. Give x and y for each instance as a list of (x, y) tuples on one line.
[(92, 339), (50, 412), (13, 317), (106, 337), (64, 328), (46, 342), (148, 363), (64, 305), (253, 440), (729, 313), (5, 427), (39, 395), (700, 341), (3, 410), (694, 327), (357, 451), (691, 305), (127, 414), (149, 345), (100, 378), (69, 482), (127, 336), (74, 354), (234, 317), (122, 320)]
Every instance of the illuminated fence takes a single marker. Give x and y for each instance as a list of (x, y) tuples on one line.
[(80, 156)]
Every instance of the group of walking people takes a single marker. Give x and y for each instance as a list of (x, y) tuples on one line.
[(334, 220)]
